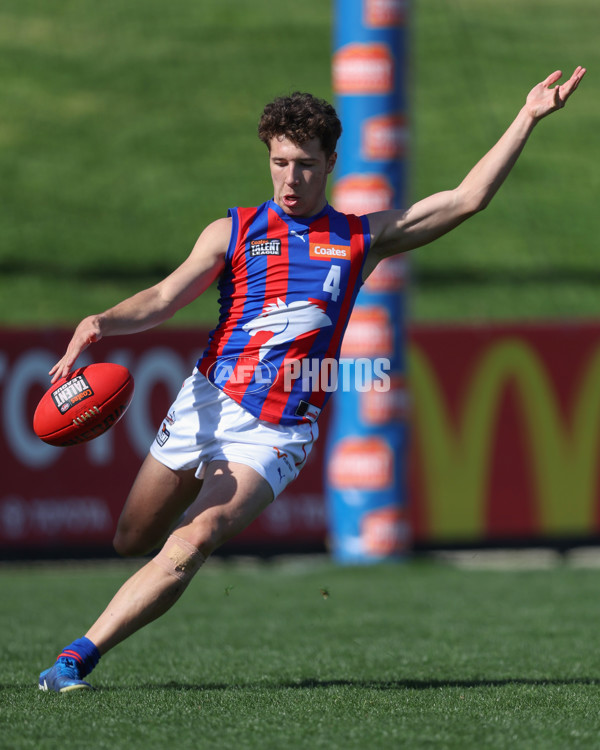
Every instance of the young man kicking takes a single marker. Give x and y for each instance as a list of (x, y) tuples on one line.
[(229, 445)]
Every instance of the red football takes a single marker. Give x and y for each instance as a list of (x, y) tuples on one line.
[(83, 405)]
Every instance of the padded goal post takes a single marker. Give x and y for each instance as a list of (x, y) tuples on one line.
[(368, 437)]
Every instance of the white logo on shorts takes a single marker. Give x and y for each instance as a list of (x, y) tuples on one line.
[(163, 435)]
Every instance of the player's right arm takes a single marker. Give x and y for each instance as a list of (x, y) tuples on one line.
[(156, 304)]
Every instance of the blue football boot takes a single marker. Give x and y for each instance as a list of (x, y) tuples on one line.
[(62, 677)]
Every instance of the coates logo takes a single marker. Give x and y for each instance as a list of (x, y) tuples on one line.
[(390, 275), (379, 407), (381, 14), (242, 375), (363, 69), (362, 463), (369, 333), (329, 252), (384, 137), (384, 532), (363, 194)]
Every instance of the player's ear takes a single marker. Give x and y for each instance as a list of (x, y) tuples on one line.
[(331, 162)]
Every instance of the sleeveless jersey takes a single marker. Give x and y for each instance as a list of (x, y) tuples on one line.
[(286, 294)]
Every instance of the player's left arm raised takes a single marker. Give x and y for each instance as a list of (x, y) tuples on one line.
[(396, 231)]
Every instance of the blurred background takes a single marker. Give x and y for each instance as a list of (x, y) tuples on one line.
[(126, 128)]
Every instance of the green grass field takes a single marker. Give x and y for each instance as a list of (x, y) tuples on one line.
[(124, 132), (126, 128), (257, 655)]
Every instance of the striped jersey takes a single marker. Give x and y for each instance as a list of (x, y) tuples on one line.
[(286, 294)]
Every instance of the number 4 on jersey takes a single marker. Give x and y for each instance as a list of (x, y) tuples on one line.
[(331, 285)]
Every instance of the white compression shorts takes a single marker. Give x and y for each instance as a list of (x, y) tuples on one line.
[(204, 424)]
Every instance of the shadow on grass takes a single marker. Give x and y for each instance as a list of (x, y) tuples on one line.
[(313, 684), (309, 684)]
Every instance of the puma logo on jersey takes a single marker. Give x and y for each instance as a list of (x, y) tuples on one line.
[(299, 235), (286, 322)]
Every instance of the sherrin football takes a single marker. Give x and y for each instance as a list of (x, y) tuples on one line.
[(83, 405)]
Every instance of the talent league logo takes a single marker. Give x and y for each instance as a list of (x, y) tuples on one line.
[(265, 247), (363, 69), (71, 393)]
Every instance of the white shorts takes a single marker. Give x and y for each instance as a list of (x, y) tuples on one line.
[(204, 424)]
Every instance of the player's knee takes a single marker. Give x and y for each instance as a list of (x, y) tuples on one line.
[(209, 534), (127, 544), (179, 558), (122, 546)]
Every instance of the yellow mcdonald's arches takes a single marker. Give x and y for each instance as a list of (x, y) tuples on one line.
[(456, 460)]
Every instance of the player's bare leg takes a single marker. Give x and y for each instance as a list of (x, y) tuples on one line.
[(155, 503), (232, 496)]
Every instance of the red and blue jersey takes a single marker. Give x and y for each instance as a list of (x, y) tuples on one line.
[(286, 294)]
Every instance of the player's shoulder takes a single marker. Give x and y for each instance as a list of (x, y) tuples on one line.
[(219, 226), (214, 239), (218, 231)]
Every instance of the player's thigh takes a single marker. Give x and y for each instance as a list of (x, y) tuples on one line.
[(157, 499), (232, 496)]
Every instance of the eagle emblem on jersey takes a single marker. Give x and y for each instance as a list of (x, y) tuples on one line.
[(286, 322)]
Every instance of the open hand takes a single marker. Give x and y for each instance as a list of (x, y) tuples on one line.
[(542, 99), (85, 334)]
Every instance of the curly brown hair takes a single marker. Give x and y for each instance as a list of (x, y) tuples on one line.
[(300, 117)]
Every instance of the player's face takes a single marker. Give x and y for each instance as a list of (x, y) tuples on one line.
[(299, 175)]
